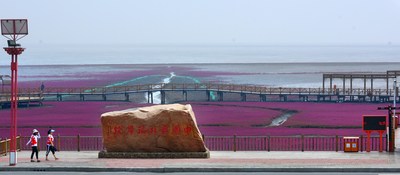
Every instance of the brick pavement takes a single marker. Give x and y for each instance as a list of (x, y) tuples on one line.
[(219, 161)]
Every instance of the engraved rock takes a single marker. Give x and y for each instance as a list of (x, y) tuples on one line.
[(159, 128)]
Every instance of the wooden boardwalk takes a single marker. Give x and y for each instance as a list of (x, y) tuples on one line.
[(22, 100), (212, 92)]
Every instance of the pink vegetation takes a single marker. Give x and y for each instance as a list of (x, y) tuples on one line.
[(213, 118)]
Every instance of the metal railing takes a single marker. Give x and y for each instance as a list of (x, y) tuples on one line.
[(225, 143), (254, 89), (285, 143), (69, 143)]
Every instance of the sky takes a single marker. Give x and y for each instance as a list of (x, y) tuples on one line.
[(271, 22), (87, 30)]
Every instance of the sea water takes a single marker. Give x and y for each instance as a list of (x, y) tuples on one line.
[(46, 54), (276, 66)]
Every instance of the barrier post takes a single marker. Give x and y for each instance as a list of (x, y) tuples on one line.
[(302, 143), (380, 141), (269, 143), (234, 143), (58, 143), (79, 142), (19, 143), (337, 143), (6, 141), (265, 143)]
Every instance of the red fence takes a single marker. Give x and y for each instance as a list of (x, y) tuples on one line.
[(285, 143), (225, 143), (69, 143)]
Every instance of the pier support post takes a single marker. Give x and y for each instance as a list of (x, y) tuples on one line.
[(184, 95), (150, 97), (126, 97), (344, 86), (162, 97), (220, 96), (330, 85), (283, 97), (208, 93), (372, 86), (351, 85), (59, 97), (82, 97), (243, 97), (303, 97), (263, 98), (387, 83), (104, 97), (365, 85)]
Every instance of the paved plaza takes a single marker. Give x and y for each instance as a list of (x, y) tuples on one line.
[(220, 161)]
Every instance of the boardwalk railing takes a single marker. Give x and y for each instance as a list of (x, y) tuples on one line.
[(255, 89), (214, 92), (225, 143)]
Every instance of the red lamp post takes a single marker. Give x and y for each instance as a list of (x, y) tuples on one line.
[(12, 29)]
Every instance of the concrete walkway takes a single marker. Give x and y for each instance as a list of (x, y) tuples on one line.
[(219, 162)]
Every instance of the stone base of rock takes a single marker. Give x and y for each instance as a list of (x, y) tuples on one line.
[(155, 155)]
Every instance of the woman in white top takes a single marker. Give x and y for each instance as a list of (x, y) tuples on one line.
[(34, 143), (50, 145)]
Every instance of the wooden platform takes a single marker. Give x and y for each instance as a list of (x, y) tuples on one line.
[(24, 101)]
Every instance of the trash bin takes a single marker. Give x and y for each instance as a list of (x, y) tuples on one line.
[(351, 144)]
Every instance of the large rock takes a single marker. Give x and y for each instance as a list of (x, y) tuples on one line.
[(160, 128)]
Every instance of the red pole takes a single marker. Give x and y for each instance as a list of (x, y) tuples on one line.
[(14, 106), (14, 51), (13, 134), (368, 141), (380, 141)]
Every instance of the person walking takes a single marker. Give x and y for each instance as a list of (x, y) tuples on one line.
[(42, 87), (50, 144), (34, 144)]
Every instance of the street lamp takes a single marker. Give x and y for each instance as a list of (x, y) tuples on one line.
[(13, 30)]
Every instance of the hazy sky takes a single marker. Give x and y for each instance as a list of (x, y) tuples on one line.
[(208, 21)]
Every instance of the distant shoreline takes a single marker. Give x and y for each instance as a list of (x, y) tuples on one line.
[(196, 64)]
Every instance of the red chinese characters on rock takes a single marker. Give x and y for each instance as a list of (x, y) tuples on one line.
[(142, 130), (153, 131), (131, 130), (176, 130), (164, 130), (117, 130), (188, 130)]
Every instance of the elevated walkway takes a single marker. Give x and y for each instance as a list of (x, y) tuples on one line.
[(211, 92)]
